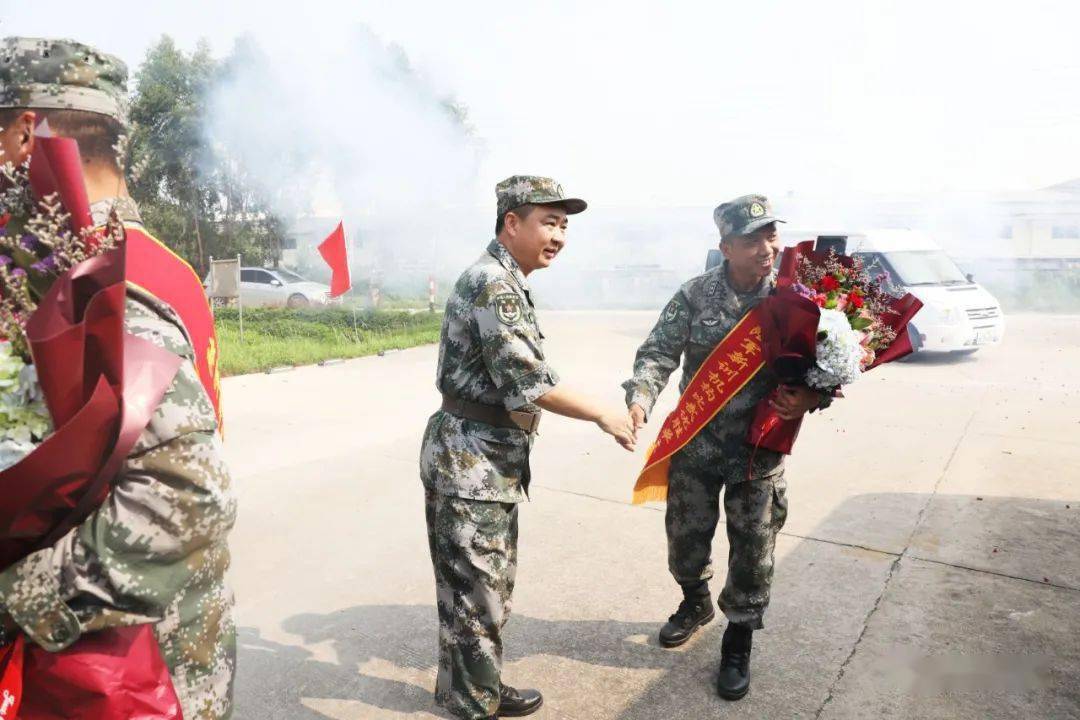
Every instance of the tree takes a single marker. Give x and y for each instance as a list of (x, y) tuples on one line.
[(191, 192)]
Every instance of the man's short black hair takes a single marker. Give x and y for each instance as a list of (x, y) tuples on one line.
[(98, 135), (522, 211)]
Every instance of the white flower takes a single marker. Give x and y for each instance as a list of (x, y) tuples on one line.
[(24, 419), (839, 353), (10, 365)]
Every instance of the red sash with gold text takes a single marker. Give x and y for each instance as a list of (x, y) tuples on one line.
[(159, 271), (731, 364)]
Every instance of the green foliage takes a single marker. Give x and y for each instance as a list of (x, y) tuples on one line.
[(191, 192), (277, 337), (860, 323), (190, 181)]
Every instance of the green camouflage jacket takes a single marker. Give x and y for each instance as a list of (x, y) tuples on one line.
[(155, 551), (699, 316), (491, 353)]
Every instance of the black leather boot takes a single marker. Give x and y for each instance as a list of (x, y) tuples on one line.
[(734, 680), (695, 610), (518, 703)]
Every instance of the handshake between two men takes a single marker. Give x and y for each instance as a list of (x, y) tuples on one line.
[(791, 402)]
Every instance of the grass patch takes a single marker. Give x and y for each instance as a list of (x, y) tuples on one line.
[(277, 337)]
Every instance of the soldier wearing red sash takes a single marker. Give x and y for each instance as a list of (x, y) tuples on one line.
[(701, 314), (155, 551)]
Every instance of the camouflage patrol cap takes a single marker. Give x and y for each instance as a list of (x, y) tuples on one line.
[(521, 190), (743, 215), (46, 74)]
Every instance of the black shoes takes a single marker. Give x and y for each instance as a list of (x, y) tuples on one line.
[(732, 683), (734, 680), (518, 703), (694, 611)]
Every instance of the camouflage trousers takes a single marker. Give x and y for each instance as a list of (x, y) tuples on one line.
[(473, 547), (755, 511)]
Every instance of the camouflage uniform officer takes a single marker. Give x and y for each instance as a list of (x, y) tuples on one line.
[(699, 316), (474, 462), (155, 551)]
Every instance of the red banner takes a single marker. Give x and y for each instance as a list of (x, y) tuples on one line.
[(732, 364)]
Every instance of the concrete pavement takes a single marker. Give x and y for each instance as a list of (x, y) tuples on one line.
[(929, 568)]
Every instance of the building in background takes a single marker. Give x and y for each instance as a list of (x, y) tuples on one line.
[(1034, 262), (1043, 224), (1023, 246)]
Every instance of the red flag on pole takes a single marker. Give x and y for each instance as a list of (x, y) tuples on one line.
[(336, 254)]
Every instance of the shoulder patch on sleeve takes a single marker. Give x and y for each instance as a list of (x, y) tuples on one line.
[(508, 308), (671, 314)]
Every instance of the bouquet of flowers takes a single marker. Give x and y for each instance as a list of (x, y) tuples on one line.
[(76, 391), (826, 323)]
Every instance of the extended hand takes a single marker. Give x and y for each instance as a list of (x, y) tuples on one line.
[(793, 401), (637, 414), (619, 425)]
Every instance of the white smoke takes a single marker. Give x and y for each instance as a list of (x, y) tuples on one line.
[(347, 128)]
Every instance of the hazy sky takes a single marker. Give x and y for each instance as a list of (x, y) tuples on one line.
[(685, 103)]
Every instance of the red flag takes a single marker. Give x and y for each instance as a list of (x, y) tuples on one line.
[(336, 255)]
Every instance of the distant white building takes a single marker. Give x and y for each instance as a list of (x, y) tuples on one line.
[(1018, 226), (1041, 224)]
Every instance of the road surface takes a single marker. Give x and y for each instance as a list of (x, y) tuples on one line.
[(929, 568)]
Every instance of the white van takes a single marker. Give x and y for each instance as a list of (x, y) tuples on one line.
[(958, 314)]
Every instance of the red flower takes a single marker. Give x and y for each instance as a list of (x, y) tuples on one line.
[(855, 301), (829, 283)]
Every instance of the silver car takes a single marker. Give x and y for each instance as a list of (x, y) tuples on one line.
[(260, 287), (265, 287)]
